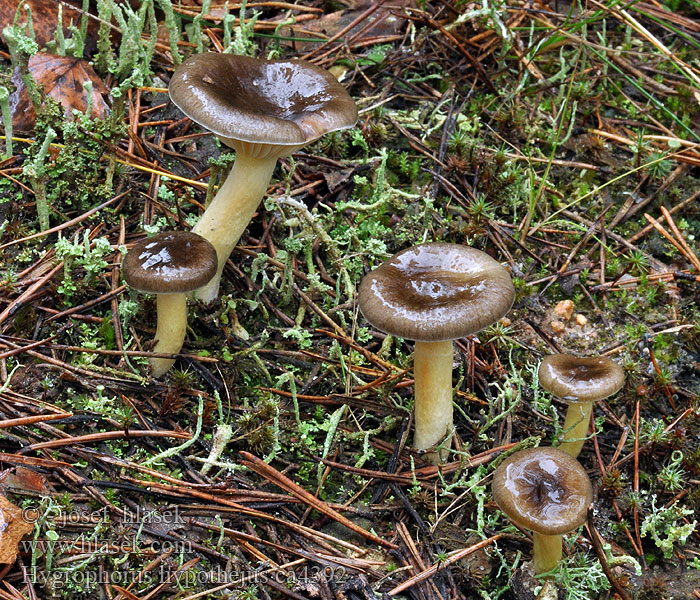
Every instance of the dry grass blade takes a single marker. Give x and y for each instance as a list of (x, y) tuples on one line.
[(687, 251), (624, 16), (679, 243)]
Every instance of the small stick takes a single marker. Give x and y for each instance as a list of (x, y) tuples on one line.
[(74, 221), (635, 510), (342, 32), (101, 437), (597, 540), (21, 421), (36, 344), (274, 476), (75, 309), (453, 558), (31, 460), (20, 349)]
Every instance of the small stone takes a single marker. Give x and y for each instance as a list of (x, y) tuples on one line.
[(506, 322), (564, 310), (557, 326), (581, 320), (627, 281)]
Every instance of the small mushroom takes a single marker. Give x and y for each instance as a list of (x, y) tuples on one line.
[(434, 293), (581, 382), (170, 265), (547, 491), (265, 110)]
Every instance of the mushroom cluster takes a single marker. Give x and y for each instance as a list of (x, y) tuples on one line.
[(436, 292), (431, 294), (265, 110)]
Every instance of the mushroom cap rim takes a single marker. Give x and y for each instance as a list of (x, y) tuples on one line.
[(148, 266), (580, 379), (401, 296), (291, 135), (543, 489)]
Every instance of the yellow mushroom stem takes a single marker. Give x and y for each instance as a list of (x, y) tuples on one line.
[(546, 552), (229, 213), (578, 416), (171, 314), (432, 369)]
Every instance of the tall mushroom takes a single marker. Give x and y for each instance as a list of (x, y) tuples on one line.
[(545, 490), (170, 265), (581, 382), (263, 109), (434, 293)]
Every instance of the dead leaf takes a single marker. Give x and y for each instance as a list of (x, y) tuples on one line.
[(22, 480), (334, 179), (12, 529), (62, 78), (45, 19), (381, 23)]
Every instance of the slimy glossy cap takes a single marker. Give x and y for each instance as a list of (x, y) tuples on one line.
[(543, 489), (582, 379), (277, 102), (436, 292), (173, 262)]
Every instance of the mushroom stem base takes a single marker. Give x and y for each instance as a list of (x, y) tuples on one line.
[(578, 416), (546, 553), (432, 368), (170, 331), (229, 213)]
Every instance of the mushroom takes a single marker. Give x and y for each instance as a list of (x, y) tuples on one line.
[(434, 293), (263, 109), (547, 491), (581, 382), (170, 265)]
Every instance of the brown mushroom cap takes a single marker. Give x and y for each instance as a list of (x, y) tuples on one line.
[(170, 263), (280, 102), (581, 379), (435, 292), (543, 489)]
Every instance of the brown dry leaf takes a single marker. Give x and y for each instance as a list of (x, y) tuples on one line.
[(335, 178), (62, 78), (45, 19), (383, 22), (12, 529), (21, 479)]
